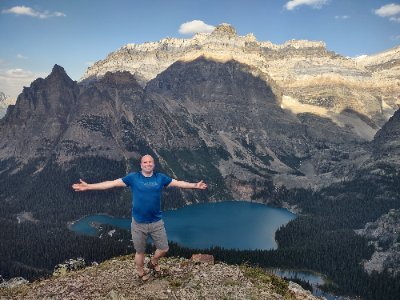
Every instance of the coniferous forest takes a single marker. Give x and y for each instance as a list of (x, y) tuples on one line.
[(321, 238)]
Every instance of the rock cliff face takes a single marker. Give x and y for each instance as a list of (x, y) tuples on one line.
[(222, 119), (384, 234), (384, 157), (386, 142), (311, 78), (242, 114), (33, 126), (228, 120), (97, 126)]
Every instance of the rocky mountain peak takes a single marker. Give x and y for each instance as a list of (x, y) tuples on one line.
[(51, 95), (54, 86), (39, 116), (54, 82), (312, 78), (57, 69), (58, 74), (224, 29)]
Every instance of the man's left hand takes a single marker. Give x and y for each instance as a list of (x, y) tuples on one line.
[(201, 185)]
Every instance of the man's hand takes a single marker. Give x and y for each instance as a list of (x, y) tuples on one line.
[(105, 185), (80, 187), (188, 185), (201, 185)]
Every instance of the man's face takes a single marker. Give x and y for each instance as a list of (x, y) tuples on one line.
[(147, 164)]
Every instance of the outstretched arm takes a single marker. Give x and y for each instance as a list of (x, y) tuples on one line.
[(84, 186), (188, 185)]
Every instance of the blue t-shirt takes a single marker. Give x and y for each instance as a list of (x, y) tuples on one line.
[(146, 195)]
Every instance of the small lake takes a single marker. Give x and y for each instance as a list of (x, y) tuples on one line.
[(314, 279), (310, 277), (230, 224)]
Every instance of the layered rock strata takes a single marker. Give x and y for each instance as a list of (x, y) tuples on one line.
[(306, 71)]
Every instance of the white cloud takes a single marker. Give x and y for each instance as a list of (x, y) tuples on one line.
[(388, 10), (313, 3), (341, 17), (20, 56), (13, 80), (391, 11), (195, 26), (28, 11), (361, 56), (17, 73), (20, 10), (59, 14)]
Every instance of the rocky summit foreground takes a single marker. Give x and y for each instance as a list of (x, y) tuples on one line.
[(182, 279)]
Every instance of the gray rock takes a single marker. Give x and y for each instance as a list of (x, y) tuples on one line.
[(384, 234), (13, 282), (68, 266)]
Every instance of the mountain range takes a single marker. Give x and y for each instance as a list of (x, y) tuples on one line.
[(295, 114), (306, 72), (250, 118)]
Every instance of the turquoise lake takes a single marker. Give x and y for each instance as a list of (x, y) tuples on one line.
[(230, 224)]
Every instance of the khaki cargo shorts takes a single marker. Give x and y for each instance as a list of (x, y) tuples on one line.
[(140, 232)]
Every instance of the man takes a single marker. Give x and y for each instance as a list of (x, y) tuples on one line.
[(146, 189)]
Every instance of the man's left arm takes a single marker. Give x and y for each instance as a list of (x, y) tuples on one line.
[(188, 185)]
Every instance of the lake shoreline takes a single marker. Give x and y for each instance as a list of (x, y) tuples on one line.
[(255, 223), (291, 208)]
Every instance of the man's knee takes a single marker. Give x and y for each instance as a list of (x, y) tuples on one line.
[(163, 251)]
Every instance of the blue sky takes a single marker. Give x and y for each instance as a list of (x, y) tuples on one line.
[(37, 34)]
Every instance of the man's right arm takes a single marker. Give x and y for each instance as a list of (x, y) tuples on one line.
[(105, 185)]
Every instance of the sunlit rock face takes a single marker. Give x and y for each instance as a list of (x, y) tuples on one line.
[(5, 101), (306, 72)]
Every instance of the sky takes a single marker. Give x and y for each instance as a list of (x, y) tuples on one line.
[(37, 34)]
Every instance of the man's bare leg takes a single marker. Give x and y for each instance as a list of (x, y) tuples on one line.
[(139, 261), (157, 255)]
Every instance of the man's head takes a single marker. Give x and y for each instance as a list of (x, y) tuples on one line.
[(147, 164)]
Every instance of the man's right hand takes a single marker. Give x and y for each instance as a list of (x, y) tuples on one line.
[(80, 187)]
